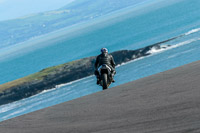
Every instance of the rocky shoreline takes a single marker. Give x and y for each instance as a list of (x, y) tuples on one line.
[(50, 77)]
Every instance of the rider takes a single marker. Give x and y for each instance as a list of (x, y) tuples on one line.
[(104, 58)]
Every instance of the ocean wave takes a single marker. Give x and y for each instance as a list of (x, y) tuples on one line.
[(75, 81), (45, 91), (5, 108), (163, 48), (61, 85), (192, 31), (184, 43), (21, 110), (168, 47), (155, 50)]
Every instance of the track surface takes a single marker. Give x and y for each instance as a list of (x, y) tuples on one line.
[(168, 102)]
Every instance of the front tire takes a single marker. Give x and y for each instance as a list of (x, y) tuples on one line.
[(105, 80)]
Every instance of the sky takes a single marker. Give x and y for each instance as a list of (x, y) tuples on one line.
[(11, 9)]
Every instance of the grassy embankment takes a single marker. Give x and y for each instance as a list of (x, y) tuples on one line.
[(39, 76)]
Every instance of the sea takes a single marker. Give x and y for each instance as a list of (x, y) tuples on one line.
[(129, 28)]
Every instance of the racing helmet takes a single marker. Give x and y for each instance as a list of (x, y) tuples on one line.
[(104, 50)]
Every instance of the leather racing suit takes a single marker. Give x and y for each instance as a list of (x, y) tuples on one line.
[(107, 59)]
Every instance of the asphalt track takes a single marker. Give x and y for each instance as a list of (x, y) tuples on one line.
[(168, 102)]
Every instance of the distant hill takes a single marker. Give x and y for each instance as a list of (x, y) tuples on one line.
[(24, 28)]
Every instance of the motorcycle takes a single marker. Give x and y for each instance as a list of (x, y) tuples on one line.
[(105, 76)]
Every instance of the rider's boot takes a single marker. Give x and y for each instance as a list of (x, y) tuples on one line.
[(98, 81), (113, 73), (113, 80), (97, 76)]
